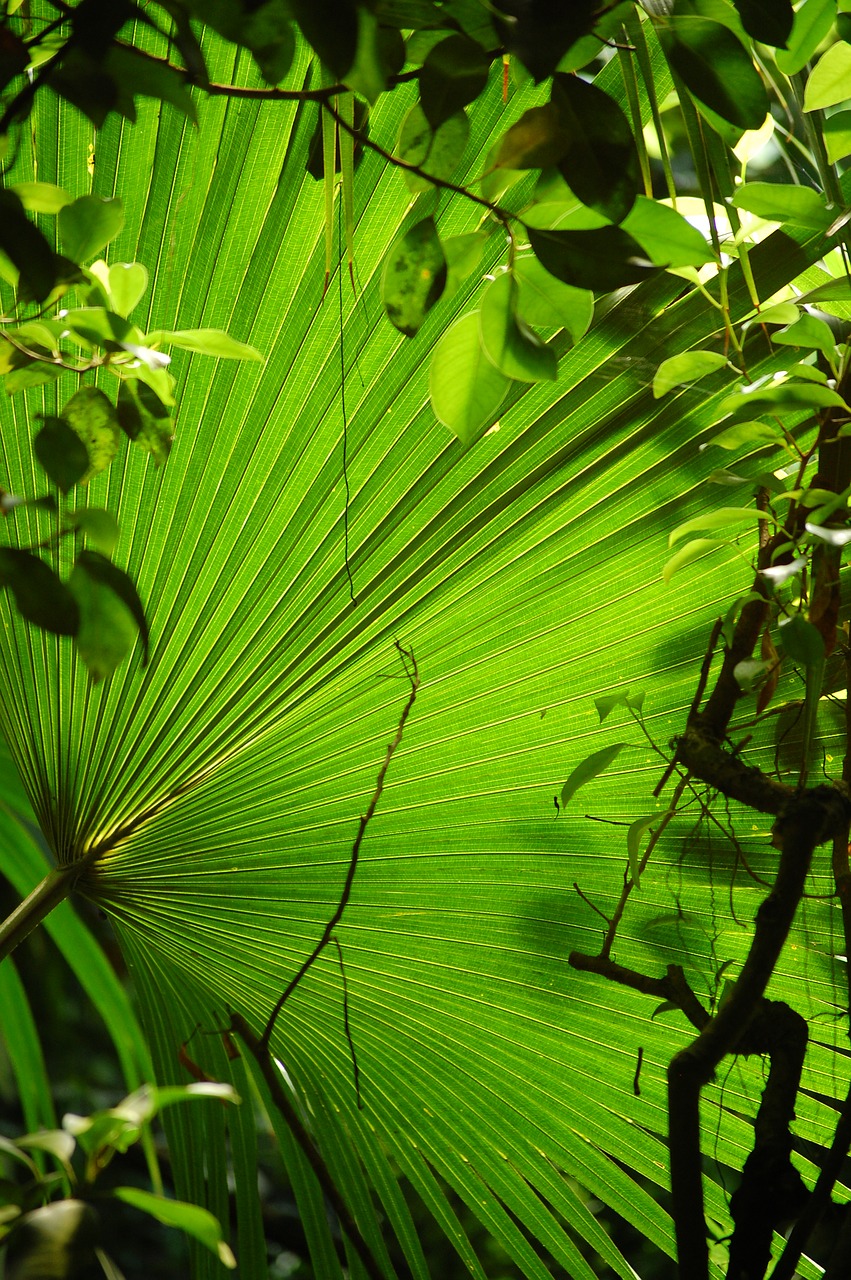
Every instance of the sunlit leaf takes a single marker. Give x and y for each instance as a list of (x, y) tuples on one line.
[(588, 769), (685, 368), (829, 82), (515, 349), (466, 388), (190, 1218), (87, 224), (414, 277)]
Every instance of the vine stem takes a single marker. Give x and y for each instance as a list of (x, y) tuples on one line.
[(53, 889)]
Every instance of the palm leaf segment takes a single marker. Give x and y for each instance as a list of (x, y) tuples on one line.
[(227, 778)]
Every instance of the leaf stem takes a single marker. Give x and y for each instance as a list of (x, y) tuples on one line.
[(53, 889)]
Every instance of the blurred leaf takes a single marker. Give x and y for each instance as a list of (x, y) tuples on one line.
[(600, 161), (107, 630), (453, 74), (748, 433), (602, 259), (541, 34), (99, 526), (837, 135), (207, 342), (144, 419), (810, 332), (87, 224), (102, 571), (127, 282), (54, 1242), (538, 139), (62, 453), (331, 27), (515, 349), (192, 1219), (789, 395), (716, 68), (26, 247), (463, 254), (769, 21), (414, 277), (719, 518), (41, 197), (801, 640), (688, 554), (41, 597), (466, 388)]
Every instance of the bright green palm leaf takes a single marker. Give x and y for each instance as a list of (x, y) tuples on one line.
[(228, 777)]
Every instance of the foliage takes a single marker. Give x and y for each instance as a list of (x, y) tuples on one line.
[(580, 337)]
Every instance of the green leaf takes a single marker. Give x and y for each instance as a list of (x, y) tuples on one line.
[(463, 254), (769, 21), (41, 597), (588, 769), (688, 367), (543, 300), (720, 518), (837, 135), (829, 82), (666, 236), (89, 223), (127, 282), (91, 415), (516, 350), (802, 641), (331, 27), (436, 151), (206, 342), (749, 434), (34, 373), (606, 704), (635, 834), (99, 526), (102, 571), (414, 277), (466, 389), (41, 197), (195, 1221), (144, 419), (367, 75), (536, 141), (108, 629), (810, 332), (689, 553), (135, 74), (602, 259), (785, 395), (454, 73), (62, 453), (26, 247), (600, 161), (779, 202), (53, 1241), (716, 68), (812, 24)]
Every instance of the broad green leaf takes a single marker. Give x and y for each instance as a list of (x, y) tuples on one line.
[(543, 300), (190, 1218), (600, 161), (687, 554), (778, 202), (813, 21), (668, 239), (453, 74), (87, 224), (41, 197), (829, 82), (91, 415), (720, 518), (606, 704), (368, 75), (688, 367), (62, 453), (602, 259), (107, 630), (33, 373), (515, 349), (837, 135), (466, 388), (101, 571), (716, 68), (792, 396), (808, 331), (207, 342), (743, 434), (40, 595), (99, 526), (414, 277), (437, 151), (588, 769), (127, 284)]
